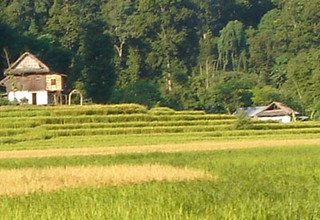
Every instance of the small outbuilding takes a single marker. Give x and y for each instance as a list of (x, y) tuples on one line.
[(29, 80), (276, 111)]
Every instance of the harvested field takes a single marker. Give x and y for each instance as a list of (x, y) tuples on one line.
[(167, 148), (90, 162), (31, 180)]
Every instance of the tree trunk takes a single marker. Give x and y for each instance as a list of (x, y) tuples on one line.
[(169, 77), (119, 48), (6, 53), (207, 73)]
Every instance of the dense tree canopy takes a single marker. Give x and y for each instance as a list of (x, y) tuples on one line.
[(216, 55)]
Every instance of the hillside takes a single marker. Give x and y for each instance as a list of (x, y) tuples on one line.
[(211, 55), (111, 125)]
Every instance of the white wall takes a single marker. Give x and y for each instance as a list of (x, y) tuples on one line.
[(20, 95), (283, 119), (42, 96)]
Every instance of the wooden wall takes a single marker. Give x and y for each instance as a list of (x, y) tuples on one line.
[(51, 86), (26, 83), (35, 83)]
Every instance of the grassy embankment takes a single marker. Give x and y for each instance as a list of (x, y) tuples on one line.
[(127, 125), (64, 163)]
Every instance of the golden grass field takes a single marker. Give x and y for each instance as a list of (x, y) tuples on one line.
[(30, 180), (166, 148)]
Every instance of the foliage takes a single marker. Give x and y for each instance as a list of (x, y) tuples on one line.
[(232, 47), (4, 101), (182, 54), (243, 121), (142, 92), (266, 95), (316, 112), (228, 91), (304, 77)]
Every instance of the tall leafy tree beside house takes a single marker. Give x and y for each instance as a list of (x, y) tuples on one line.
[(166, 35), (232, 47), (118, 15), (97, 73)]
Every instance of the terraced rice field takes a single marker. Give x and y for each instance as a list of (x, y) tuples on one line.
[(127, 162)]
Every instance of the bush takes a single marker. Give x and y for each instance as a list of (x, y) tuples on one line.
[(142, 92), (315, 115), (243, 121), (4, 101), (161, 111)]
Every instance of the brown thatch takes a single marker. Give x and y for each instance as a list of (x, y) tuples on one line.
[(277, 109), (42, 69), (26, 71), (3, 81)]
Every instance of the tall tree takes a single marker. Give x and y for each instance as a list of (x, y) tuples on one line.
[(232, 47), (118, 15), (28, 16), (165, 32), (251, 11), (264, 46), (304, 77), (64, 23), (95, 54)]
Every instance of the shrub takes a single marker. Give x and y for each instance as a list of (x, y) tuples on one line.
[(161, 111), (4, 101), (243, 121)]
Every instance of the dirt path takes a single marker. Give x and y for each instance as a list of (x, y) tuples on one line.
[(166, 148)]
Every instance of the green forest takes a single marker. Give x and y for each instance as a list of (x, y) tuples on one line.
[(215, 55)]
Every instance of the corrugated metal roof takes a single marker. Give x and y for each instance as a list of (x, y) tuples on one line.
[(252, 111), (274, 109)]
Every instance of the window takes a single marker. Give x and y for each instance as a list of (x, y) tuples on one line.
[(53, 82)]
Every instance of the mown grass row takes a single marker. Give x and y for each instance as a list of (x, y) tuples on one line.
[(220, 124), (216, 131), (139, 124), (72, 123), (111, 134), (26, 142), (113, 118), (132, 122), (33, 111)]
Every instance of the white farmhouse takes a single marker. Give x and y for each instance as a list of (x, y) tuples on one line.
[(30, 81), (276, 111)]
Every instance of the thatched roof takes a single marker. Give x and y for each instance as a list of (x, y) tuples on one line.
[(277, 109), (272, 110), (27, 63), (4, 81)]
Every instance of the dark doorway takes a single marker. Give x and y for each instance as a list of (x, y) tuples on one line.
[(34, 98)]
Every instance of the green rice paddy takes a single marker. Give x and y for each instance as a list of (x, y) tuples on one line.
[(263, 182)]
